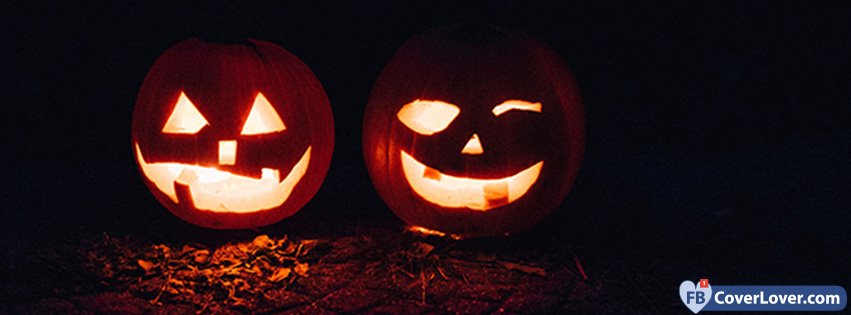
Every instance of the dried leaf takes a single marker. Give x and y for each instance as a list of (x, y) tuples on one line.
[(201, 256), (146, 265), (231, 274), (280, 274), (175, 282), (281, 242), (263, 242), (524, 268), (306, 246), (186, 291), (164, 249), (186, 249), (253, 269), (420, 250), (301, 269), (286, 250), (241, 284)]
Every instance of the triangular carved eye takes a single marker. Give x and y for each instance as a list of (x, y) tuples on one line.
[(262, 118), (185, 118)]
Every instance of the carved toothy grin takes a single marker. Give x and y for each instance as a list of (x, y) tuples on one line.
[(219, 191), (465, 192)]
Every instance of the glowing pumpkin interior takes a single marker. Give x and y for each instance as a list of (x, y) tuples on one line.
[(428, 117), (216, 190)]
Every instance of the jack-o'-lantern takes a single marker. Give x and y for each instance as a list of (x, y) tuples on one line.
[(232, 135), (473, 130)]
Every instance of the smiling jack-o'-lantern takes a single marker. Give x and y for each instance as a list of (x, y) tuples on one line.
[(233, 135), (473, 130)]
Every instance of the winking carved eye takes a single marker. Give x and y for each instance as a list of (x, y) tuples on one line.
[(516, 105)]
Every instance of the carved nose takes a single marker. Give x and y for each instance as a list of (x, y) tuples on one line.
[(227, 152), (473, 146)]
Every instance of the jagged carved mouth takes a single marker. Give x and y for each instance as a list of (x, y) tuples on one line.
[(219, 191), (466, 192)]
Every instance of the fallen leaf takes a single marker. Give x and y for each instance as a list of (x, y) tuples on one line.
[(186, 249), (201, 256), (281, 241), (175, 282), (244, 248), (301, 269), (420, 250), (286, 250), (305, 247), (164, 249), (146, 265), (263, 242), (186, 291), (280, 274)]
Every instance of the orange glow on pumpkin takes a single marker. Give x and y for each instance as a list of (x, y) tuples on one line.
[(473, 129), (231, 135), (216, 190)]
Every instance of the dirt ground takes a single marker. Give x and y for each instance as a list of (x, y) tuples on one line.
[(374, 268)]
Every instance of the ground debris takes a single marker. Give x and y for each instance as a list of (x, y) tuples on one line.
[(524, 268), (430, 269), (232, 275), (349, 274)]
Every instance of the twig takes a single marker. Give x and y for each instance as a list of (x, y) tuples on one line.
[(442, 274), (579, 267), (402, 270), (298, 251), (167, 281), (205, 306), (424, 286)]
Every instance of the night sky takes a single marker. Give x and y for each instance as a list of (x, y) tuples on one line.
[(717, 135)]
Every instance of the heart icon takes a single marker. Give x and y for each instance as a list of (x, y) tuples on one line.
[(694, 297)]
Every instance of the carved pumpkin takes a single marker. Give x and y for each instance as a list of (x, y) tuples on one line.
[(234, 135), (473, 130)]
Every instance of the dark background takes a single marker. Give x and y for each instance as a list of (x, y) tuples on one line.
[(717, 134)]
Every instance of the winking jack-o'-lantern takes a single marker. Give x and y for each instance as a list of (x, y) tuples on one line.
[(473, 130), (232, 135)]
